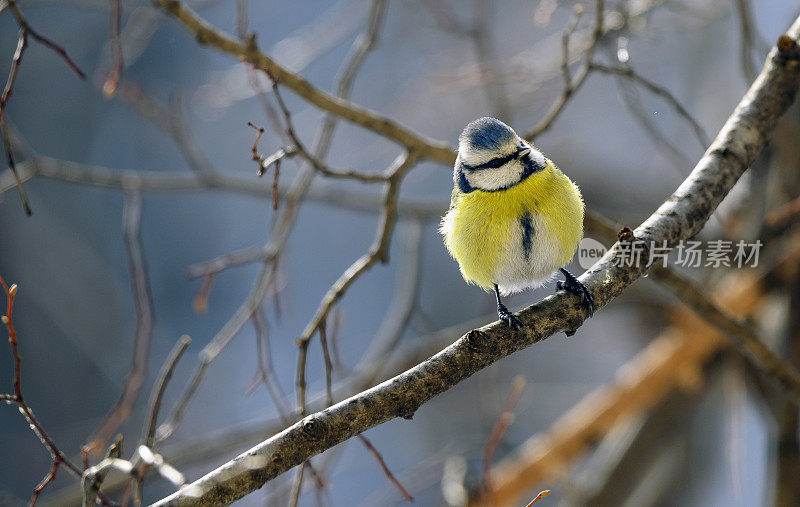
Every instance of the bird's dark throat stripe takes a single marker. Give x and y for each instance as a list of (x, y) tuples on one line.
[(526, 221)]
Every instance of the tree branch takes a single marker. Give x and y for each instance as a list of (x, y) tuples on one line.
[(145, 322), (249, 52), (682, 216), (677, 353), (280, 233)]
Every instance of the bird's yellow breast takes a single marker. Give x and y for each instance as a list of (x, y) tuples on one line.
[(480, 224)]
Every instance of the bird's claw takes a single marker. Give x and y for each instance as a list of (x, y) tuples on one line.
[(575, 286), (509, 318)]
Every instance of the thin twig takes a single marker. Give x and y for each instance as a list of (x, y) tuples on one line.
[(542, 494), (371, 448), (478, 31), (300, 150), (143, 301), (629, 96), (58, 457), (164, 376), (22, 43), (577, 13), (175, 182), (499, 430), (23, 23), (659, 90), (280, 233), (298, 485), (50, 477), (112, 81), (572, 84), (378, 251), (404, 299), (381, 125), (200, 302), (326, 355), (171, 121), (744, 13), (266, 370), (264, 163), (93, 482)]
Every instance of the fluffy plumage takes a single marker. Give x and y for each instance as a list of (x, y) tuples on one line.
[(514, 217)]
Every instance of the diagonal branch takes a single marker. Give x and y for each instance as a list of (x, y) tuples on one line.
[(737, 331), (659, 90), (682, 216), (249, 52), (666, 363)]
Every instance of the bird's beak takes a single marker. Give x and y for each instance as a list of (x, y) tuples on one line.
[(524, 150)]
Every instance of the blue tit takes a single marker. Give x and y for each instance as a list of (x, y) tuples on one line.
[(514, 217)]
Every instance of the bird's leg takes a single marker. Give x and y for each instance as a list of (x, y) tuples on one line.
[(506, 316), (573, 285)]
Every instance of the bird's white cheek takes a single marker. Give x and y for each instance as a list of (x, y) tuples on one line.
[(494, 179), (538, 157)]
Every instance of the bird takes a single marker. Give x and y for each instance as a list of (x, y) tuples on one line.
[(515, 219)]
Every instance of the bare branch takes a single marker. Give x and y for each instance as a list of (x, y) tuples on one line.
[(741, 335), (112, 81), (164, 376), (178, 182), (403, 301), (93, 479), (378, 251), (171, 121), (500, 428), (57, 456), (143, 300), (656, 89), (542, 494), (50, 477), (22, 43), (266, 370), (23, 24), (677, 353), (572, 84), (371, 448), (745, 14), (284, 224), (300, 150), (212, 444), (204, 33)]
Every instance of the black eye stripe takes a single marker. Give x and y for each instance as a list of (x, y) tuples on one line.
[(493, 163), (529, 166)]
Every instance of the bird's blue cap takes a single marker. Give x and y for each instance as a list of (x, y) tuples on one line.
[(487, 134)]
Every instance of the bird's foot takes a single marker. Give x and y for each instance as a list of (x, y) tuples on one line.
[(509, 318), (573, 285)]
